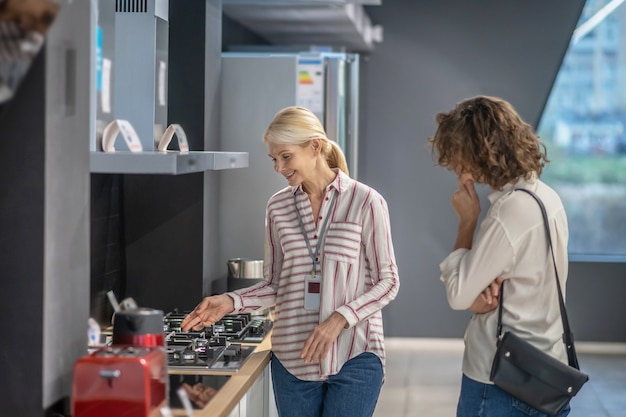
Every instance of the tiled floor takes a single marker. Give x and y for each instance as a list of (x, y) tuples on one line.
[(423, 379)]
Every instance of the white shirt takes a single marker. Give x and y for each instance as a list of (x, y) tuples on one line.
[(511, 243), (357, 267)]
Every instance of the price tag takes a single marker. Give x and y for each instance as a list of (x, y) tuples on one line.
[(172, 129), (127, 130)]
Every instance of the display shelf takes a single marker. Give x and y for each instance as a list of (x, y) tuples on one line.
[(168, 163)]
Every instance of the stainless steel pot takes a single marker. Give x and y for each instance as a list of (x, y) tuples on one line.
[(245, 268)]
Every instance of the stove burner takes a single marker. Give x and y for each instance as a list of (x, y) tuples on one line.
[(244, 328), (188, 350), (213, 347)]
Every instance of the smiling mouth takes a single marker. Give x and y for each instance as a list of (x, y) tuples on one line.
[(290, 174)]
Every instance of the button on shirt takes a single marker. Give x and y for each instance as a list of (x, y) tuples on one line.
[(511, 243), (357, 268)]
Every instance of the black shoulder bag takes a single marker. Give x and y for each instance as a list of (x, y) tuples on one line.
[(529, 374)]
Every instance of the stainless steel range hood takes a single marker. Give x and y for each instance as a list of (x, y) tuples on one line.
[(342, 24), (133, 42)]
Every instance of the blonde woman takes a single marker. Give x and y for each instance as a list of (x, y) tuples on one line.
[(329, 269)]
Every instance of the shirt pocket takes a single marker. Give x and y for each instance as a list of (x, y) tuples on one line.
[(343, 242)]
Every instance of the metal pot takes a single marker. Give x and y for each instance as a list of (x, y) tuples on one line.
[(245, 268)]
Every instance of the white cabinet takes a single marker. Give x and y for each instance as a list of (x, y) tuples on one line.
[(235, 412), (257, 401)]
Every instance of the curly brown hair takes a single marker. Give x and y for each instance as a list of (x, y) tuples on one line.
[(484, 136)]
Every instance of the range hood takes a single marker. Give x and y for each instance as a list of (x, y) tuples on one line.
[(341, 24), (132, 67)]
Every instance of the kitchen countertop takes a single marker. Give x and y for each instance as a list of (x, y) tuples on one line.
[(239, 383)]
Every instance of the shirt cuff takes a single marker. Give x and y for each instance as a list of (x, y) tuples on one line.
[(349, 315), (237, 301), (451, 263)]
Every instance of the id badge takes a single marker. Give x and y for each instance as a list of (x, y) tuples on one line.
[(312, 291)]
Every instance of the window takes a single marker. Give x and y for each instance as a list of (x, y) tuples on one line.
[(584, 129)]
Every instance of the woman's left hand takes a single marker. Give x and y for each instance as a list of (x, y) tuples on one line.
[(489, 299), (322, 338)]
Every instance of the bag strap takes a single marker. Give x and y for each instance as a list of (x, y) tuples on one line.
[(568, 337)]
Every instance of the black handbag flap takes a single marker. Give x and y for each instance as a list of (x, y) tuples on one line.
[(540, 365)]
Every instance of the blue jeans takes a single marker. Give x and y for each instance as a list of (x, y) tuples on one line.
[(486, 400), (353, 392)]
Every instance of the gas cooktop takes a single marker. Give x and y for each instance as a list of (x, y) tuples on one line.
[(241, 328), (213, 347)]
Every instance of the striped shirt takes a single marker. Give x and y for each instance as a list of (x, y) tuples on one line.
[(357, 267)]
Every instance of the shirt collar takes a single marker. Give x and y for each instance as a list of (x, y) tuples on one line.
[(522, 182), (340, 183)]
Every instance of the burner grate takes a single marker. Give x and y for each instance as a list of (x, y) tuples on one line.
[(213, 347)]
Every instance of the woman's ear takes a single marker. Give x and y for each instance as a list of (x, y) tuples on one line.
[(316, 144)]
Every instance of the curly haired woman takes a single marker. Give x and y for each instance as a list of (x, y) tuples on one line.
[(484, 140)]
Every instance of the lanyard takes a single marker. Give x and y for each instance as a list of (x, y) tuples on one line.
[(321, 235)]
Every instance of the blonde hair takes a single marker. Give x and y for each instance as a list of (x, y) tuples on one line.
[(296, 125)]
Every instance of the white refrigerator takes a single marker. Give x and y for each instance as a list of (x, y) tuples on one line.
[(254, 87)]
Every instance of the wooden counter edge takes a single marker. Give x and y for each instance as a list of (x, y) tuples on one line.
[(237, 385)]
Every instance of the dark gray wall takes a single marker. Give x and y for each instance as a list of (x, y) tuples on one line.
[(163, 214), (213, 267), (169, 223), (435, 54)]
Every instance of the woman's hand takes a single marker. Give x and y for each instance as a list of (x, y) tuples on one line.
[(489, 299), (466, 202), (210, 310), (322, 338)]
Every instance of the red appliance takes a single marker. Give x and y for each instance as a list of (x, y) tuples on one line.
[(128, 378)]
